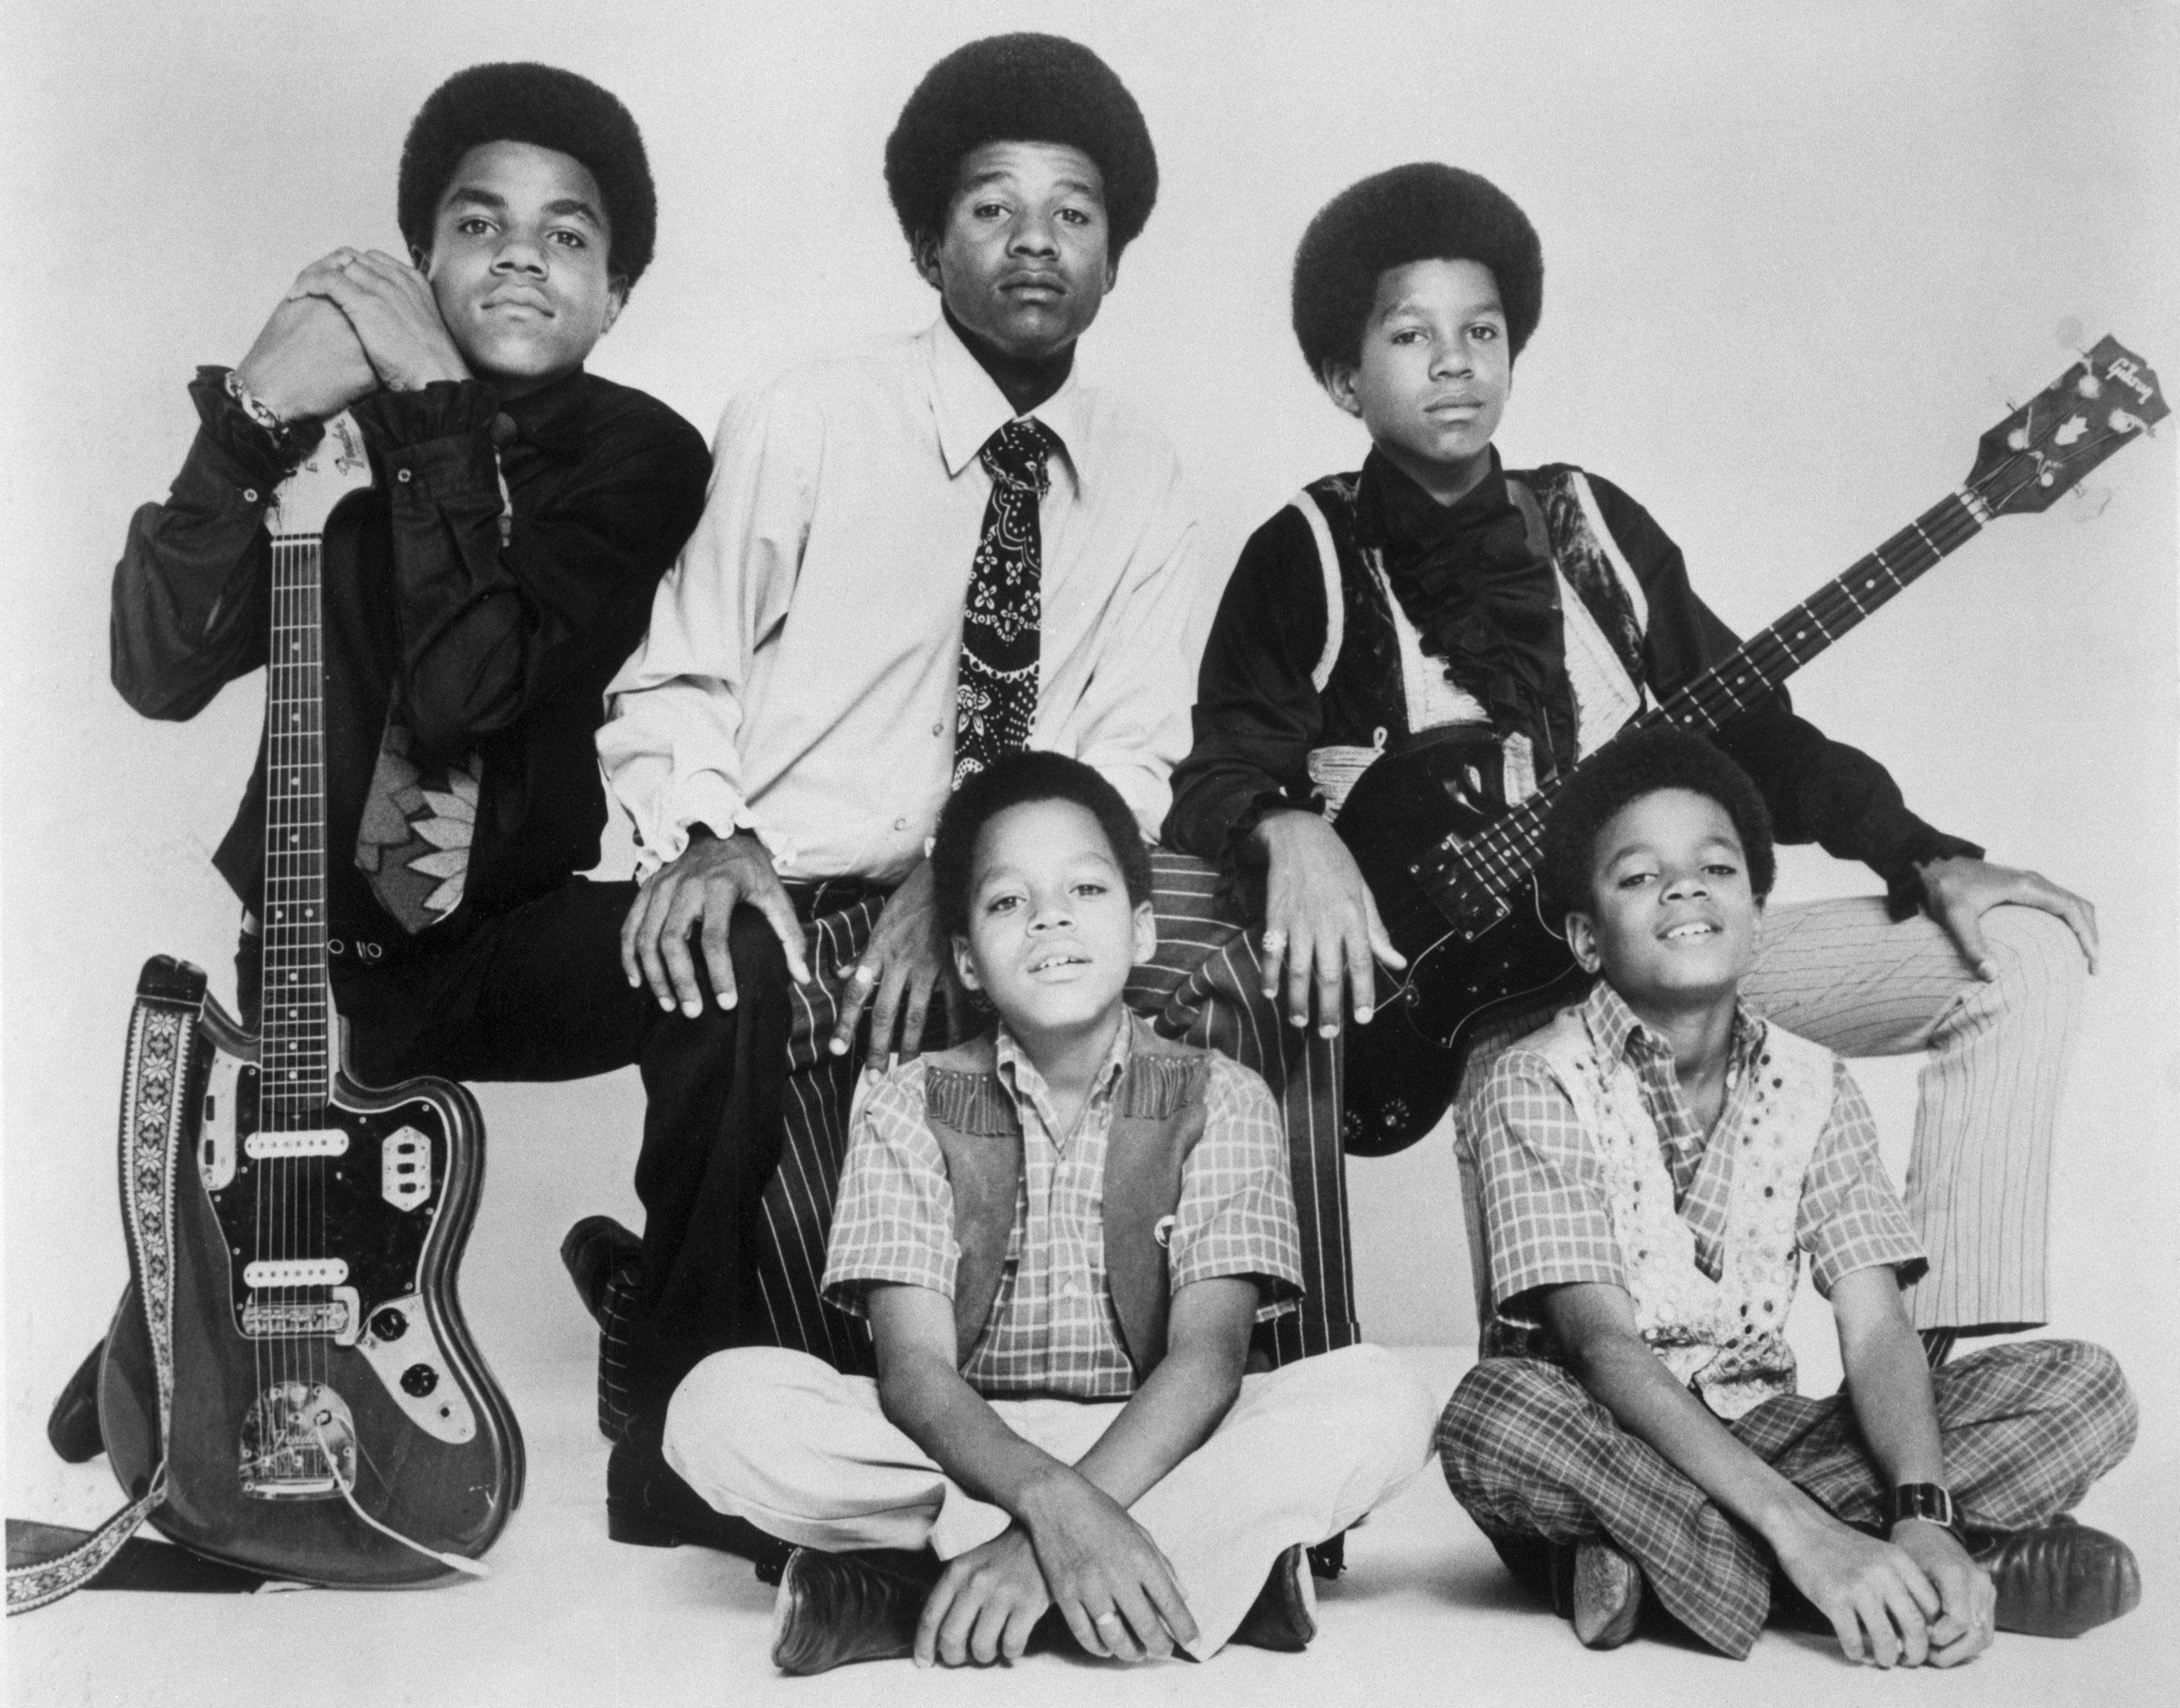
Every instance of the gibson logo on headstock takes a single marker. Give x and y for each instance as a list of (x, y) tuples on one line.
[(2128, 375)]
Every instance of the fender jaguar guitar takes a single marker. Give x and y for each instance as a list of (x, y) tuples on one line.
[(330, 1419), (1454, 874)]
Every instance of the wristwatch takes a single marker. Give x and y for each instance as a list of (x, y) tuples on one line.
[(1931, 1501)]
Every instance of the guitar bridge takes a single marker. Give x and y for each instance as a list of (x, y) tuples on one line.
[(298, 1444)]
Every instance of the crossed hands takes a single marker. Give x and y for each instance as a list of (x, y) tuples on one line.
[(354, 321), (1916, 1600), (1083, 1554)]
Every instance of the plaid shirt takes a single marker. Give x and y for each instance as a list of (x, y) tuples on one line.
[(1546, 1201), (1052, 1329)]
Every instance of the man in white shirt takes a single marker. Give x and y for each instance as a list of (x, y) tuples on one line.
[(912, 557)]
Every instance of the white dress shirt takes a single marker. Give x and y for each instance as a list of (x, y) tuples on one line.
[(798, 676)]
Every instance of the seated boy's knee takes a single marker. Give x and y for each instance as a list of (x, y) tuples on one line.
[(733, 1397), (2087, 1379), (1385, 1393), (2034, 950)]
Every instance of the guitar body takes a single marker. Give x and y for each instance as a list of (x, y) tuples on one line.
[(281, 1392), (1438, 790)]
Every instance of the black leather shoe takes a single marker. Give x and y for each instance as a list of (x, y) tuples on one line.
[(595, 1249), (834, 1609), (1283, 1615), (72, 1426), (2058, 1579), (648, 1506)]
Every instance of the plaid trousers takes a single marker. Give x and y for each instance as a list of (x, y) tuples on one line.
[(1201, 987), (2026, 1429)]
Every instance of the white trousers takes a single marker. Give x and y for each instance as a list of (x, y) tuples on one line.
[(788, 1443)]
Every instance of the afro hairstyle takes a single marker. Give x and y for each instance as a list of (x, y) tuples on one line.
[(1424, 211), (1020, 88), (1641, 763), (550, 108), (1018, 780)]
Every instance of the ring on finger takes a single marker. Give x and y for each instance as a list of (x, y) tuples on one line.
[(1275, 939), (1106, 1618), (867, 975)]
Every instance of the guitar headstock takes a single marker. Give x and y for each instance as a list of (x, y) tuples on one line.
[(2066, 429), (329, 474)]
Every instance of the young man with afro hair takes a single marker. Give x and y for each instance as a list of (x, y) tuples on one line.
[(917, 557), (1434, 588), (476, 602), (1653, 1165)]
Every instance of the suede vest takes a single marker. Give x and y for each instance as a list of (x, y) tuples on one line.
[(1158, 1117), (1726, 1338)]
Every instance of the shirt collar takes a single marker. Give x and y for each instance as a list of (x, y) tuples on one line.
[(1620, 1035), (969, 407), (1019, 1074)]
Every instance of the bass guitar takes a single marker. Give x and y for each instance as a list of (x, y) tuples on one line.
[(1453, 871), (329, 1418)]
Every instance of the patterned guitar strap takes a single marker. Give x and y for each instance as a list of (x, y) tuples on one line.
[(996, 703), (161, 1033)]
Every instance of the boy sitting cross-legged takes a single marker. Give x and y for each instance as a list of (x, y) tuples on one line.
[(1653, 1166), (1062, 1233)]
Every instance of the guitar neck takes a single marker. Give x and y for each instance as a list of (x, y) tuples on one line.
[(1745, 677), (295, 1029), (1490, 865)]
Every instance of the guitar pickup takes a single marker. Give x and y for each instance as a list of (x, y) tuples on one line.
[(404, 1169), (295, 1272), (329, 1141)]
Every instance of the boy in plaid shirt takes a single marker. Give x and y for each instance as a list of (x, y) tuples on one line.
[(1062, 1233), (1653, 1164)]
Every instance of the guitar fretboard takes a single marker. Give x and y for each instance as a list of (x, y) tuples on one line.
[(295, 1031), (1473, 876)]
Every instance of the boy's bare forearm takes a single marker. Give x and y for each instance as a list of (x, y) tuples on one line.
[(934, 1407), (1888, 1381), (1168, 1419), (1184, 1399)]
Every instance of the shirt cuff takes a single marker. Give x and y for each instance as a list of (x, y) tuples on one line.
[(263, 460), (445, 409), (1903, 880), (1509, 1290)]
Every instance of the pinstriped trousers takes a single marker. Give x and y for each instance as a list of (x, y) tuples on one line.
[(1844, 975), (2026, 1429), (1201, 987)]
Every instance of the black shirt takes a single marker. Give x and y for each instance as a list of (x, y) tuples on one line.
[(502, 649)]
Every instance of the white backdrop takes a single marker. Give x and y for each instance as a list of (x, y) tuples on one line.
[(1797, 259)]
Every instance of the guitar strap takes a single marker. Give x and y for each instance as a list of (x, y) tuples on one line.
[(162, 1033)]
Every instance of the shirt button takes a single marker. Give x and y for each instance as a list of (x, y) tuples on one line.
[(403, 476), (900, 823), (1067, 1287), (250, 495), (936, 728)]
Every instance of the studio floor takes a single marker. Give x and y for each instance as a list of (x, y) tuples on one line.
[(1425, 1614)]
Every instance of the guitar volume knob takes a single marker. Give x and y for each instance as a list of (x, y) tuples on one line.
[(389, 1324), (419, 1380)]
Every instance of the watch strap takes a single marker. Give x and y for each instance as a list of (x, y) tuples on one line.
[(1931, 1501)]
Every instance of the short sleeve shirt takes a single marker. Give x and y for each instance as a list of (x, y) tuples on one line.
[(1052, 1329), (1546, 1201)]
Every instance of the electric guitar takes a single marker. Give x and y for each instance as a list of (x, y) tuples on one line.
[(332, 1421), (1453, 872)]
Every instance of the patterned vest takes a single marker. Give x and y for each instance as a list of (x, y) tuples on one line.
[(1158, 1117), (1377, 685), (1725, 1337)]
